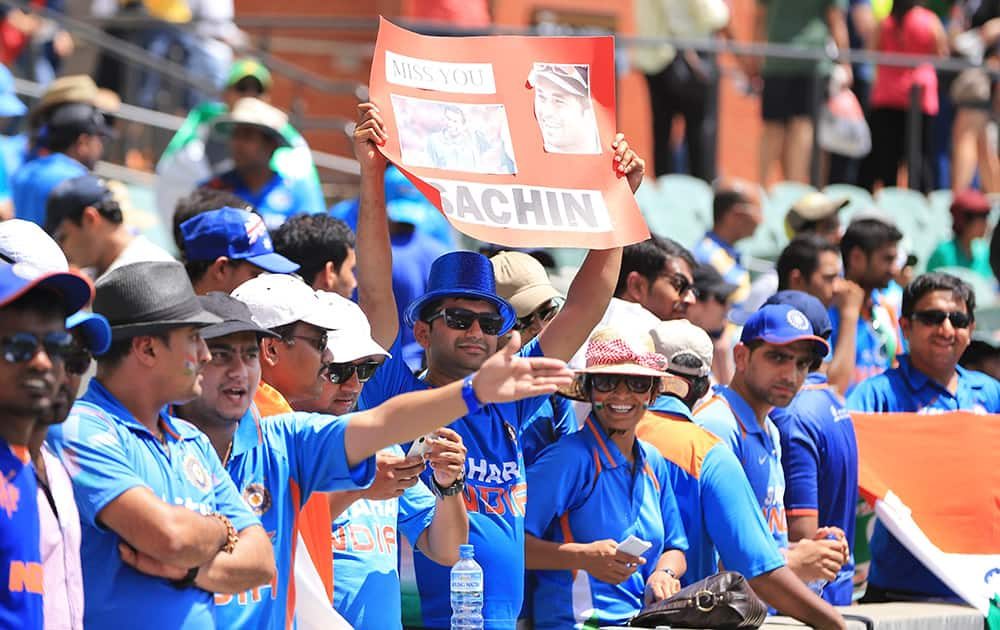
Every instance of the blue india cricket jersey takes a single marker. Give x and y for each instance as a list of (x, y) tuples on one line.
[(22, 585)]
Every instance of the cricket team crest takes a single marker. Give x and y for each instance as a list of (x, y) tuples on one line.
[(196, 473), (257, 498)]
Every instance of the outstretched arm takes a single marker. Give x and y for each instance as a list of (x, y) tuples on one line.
[(503, 377), (785, 592), (594, 283), (374, 250)]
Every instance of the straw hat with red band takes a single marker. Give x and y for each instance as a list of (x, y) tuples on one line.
[(610, 351)]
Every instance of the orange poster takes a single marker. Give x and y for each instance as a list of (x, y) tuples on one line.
[(510, 137)]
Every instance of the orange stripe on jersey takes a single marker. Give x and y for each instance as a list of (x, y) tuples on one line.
[(315, 525), (802, 512), (679, 441), (597, 462), (600, 440), (21, 452), (652, 477), (290, 605), (566, 532)]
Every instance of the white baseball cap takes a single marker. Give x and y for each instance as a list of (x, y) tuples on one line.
[(24, 242), (277, 299), (352, 339)]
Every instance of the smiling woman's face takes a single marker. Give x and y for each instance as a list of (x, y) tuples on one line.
[(619, 407)]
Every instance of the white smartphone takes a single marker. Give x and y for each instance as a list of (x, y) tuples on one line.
[(634, 546), (420, 446)]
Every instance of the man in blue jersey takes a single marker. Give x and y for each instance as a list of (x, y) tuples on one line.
[(868, 249), (722, 520), (819, 455), (147, 484), (33, 346), (937, 321), (458, 322), (777, 349)]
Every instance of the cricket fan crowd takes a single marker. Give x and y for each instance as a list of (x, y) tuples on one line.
[(303, 421)]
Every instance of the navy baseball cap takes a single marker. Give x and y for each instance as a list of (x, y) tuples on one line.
[(811, 307), (70, 197), (19, 278), (235, 234), (781, 324), (95, 328)]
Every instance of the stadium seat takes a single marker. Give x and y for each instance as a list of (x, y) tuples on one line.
[(860, 199), (677, 206), (985, 288)]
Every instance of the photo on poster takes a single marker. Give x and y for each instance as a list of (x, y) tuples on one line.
[(463, 137), (563, 110)]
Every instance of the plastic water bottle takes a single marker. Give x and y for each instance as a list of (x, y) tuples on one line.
[(466, 591)]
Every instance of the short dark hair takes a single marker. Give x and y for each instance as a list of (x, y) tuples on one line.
[(698, 385), (802, 254), (868, 234), (312, 240), (936, 281), (977, 352), (649, 258), (119, 349), (196, 269), (108, 208), (203, 200), (724, 201)]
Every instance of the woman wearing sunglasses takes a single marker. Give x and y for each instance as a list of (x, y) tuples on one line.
[(596, 488)]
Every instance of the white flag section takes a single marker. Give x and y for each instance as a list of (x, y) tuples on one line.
[(313, 611), (974, 577)]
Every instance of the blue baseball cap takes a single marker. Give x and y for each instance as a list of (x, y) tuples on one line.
[(10, 104), (95, 328), (810, 306), (781, 324), (19, 278), (235, 234)]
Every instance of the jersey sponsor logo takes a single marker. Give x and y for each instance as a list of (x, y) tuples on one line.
[(253, 596), (25, 577), (257, 498), (839, 414), (10, 495), (479, 469), (493, 500), (196, 473), (762, 459), (366, 538), (774, 510)]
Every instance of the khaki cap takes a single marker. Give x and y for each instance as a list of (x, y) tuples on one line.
[(522, 281), (256, 113), (812, 208), (73, 88), (678, 337)]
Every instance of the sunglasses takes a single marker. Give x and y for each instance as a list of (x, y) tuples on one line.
[(78, 361), (543, 314), (23, 346), (935, 317), (341, 372), (461, 319), (316, 342), (609, 382), (680, 283)]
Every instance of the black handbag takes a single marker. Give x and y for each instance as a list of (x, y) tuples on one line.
[(723, 600)]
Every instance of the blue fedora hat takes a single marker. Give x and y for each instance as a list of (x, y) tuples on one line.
[(461, 274)]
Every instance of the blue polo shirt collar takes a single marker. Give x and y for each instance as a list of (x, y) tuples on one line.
[(606, 450), (248, 435), (918, 381), (672, 407), (98, 395), (745, 416), (816, 378), (729, 249)]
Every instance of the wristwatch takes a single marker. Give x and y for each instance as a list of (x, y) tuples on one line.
[(447, 491), (187, 581), (670, 572)]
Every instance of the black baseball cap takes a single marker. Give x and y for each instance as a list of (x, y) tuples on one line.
[(235, 315), (69, 120), (71, 196), (709, 282)]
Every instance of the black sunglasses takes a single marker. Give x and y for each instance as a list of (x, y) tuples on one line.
[(317, 342), (461, 319), (609, 382), (23, 346), (680, 283), (543, 314), (936, 317), (341, 372), (78, 361)]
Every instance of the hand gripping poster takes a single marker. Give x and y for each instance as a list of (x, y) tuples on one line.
[(510, 137)]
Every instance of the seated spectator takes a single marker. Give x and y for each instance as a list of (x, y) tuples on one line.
[(598, 486), (819, 456), (736, 214), (136, 487), (722, 519), (982, 355), (776, 351), (909, 29), (937, 320), (226, 247), (194, 154), (814, 213), (254, 130), (34, 304), (789, 98), (969, 212), (656, 281), (199, 201), (74, 134), (323, 247), (522, 281), (87, 222), (868, 251)]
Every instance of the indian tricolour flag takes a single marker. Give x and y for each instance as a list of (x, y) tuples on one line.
[(934, 481)]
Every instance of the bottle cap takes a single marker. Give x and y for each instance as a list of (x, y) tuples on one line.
[(466, 551)]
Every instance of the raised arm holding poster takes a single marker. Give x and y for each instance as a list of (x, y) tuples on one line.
[(510, 137)]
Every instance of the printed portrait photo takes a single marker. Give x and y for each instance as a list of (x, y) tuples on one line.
[(563, 109)]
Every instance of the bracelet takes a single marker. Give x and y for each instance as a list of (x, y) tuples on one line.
[(472, 403), (187, 581), (232, 537), (670, 572)]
